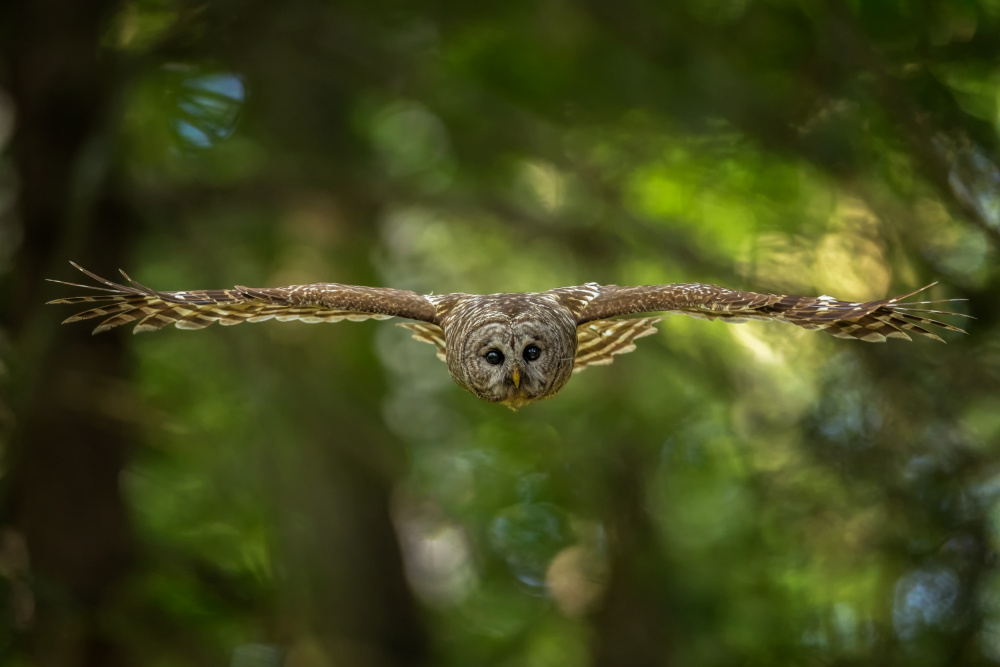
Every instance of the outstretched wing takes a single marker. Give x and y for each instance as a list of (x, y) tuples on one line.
[(873, 321), (197, 309)]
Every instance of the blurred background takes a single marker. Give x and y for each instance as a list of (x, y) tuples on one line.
[(324, 495)]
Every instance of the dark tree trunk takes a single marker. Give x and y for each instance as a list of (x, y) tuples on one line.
[(66, 449)]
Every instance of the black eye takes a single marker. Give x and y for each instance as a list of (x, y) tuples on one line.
[(532, 352), (494, 357)]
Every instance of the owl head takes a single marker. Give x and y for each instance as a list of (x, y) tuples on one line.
[(514, 360)]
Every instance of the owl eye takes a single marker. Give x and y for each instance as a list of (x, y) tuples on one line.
[(532, 352), (494, 357)]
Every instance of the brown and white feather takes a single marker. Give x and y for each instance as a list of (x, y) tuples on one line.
[(197, 309), (428, 333), (872, 321), (597, 342)]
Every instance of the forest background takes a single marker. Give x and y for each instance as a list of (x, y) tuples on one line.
[(324, 495)]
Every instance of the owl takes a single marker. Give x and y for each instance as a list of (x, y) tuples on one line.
[(512, 348)]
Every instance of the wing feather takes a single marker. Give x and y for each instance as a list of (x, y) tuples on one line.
[(428, 333), (597, 342), (197, 309), (872, 321)]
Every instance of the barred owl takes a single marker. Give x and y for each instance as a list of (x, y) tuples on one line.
[(506, 348)]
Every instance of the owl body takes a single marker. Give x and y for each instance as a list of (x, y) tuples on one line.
[(510, 348)]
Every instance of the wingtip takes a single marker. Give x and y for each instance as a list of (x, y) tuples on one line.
[(899, 298), (129, 279), (63, 282)]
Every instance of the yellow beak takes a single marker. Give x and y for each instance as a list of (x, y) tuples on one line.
[(516, 377)]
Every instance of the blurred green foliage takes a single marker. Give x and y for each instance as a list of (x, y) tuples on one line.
[(750, 494)]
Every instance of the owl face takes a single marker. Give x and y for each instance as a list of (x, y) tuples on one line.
[(514, 360)]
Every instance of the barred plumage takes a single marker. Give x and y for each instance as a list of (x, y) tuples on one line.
[(872, 321), (597, 342), (507, 348), (197, 309)]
